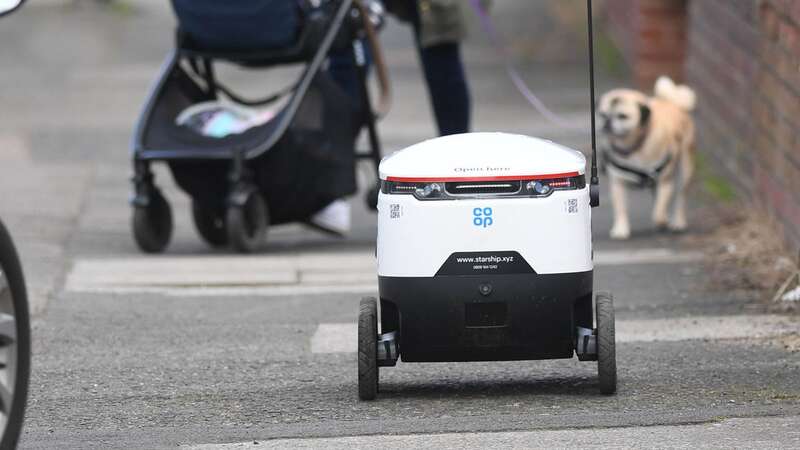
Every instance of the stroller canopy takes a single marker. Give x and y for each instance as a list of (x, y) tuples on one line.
[(239, 24)]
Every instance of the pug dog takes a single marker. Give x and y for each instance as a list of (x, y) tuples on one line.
[(649, 142)]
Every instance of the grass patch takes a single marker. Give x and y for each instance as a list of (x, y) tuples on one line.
[(609, 56), (122, 7), (785, 397), (718, 187)]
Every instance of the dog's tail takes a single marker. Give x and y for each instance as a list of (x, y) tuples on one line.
[(680, 95)]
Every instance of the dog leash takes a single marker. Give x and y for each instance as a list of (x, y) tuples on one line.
[(513, 73)]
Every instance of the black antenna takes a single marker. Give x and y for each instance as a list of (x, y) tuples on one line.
[(594, 190)]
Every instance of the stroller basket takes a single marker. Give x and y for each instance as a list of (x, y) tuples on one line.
[(163, 138), (157, 138)]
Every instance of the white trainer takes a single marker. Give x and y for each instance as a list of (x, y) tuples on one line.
[(334, 218)]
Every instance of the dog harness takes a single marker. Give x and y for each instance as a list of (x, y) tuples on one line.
[(637, 176)]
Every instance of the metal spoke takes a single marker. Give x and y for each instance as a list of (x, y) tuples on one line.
[(6, 397), (5, 289), (8, 329)]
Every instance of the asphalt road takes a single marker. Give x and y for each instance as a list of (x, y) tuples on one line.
[(197, 347)]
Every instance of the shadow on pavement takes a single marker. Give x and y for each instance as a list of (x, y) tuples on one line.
[(562, 386)]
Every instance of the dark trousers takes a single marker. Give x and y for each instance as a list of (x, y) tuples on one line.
[(447, 82), (444, 76)]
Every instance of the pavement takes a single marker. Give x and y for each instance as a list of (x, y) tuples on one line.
[(199, 348), (726, 433)]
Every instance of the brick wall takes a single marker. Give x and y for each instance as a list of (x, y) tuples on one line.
[(651, 35), (744, 61), (743, 58)]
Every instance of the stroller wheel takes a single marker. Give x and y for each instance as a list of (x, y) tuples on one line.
[(606, 343), (246, 222), (372, 197), (368, 349), (152, 223), (210, 224)]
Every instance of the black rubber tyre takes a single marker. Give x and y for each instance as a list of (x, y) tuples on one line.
[(372, 197), (606, 343), (152, 224), (247, 224), (368, 349), (210, 224), (12, 271)]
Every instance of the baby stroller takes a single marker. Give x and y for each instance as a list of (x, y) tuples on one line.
[(277, 172)]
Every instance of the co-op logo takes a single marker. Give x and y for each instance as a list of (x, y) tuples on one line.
[(482, 217)]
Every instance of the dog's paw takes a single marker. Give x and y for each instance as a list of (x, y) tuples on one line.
[(660, 222), (678, 227), (620, 233)]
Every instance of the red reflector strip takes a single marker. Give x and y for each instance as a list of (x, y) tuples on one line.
[(479, 179)]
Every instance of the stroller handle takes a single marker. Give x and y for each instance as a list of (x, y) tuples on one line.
[(385, 100)]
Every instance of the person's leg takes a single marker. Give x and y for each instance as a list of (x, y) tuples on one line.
[(447, 86), (342, 68), (447, 82)]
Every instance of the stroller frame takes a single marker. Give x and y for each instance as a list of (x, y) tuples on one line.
[(245, 216)]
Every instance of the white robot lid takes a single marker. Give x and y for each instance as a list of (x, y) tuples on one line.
[(482, 157)]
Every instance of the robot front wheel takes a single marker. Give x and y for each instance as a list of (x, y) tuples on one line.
[(606, 343), (368, 349)]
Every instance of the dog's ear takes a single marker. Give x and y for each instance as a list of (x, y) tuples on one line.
[(644, 112)]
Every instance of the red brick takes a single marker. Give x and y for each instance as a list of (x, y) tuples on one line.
[(770, 22), (794, 12), (651, 34), (781, 200), (788, 34)]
